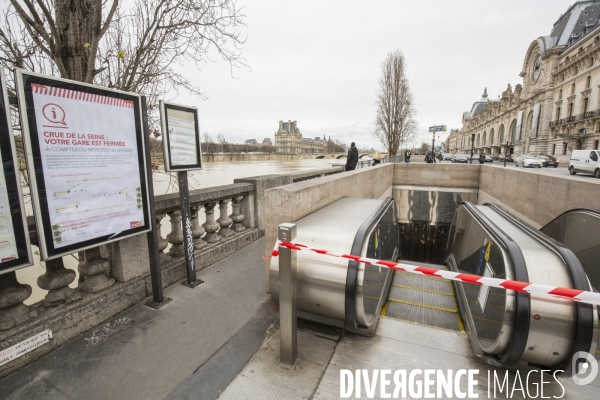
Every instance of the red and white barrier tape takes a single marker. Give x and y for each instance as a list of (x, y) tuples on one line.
[(581, 296)]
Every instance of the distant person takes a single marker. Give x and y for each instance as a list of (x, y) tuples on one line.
[(440, 156), (407, 155), (481, 158), (352, 158), (377, 158), (429, 158)]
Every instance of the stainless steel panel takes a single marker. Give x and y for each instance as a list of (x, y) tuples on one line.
[(551, 335), (430, 203), (322, 280)]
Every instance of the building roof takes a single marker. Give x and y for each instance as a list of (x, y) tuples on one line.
[(579, 20)]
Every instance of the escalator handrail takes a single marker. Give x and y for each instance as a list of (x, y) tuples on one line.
[(352, 274), (596, 213), (585, 319), (522, 314)]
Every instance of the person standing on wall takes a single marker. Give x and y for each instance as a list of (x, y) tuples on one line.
[(481, 158), (352, 158), (407, 155), (377, 158)]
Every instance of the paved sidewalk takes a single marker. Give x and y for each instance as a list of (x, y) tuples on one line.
[(205, 335)]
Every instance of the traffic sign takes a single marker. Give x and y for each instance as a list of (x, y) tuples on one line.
[(437, 128)]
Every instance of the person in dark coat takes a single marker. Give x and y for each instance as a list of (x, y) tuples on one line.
[(481, 158), (352, 158), (429, 158)]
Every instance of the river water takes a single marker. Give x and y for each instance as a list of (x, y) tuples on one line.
[(212, 174)]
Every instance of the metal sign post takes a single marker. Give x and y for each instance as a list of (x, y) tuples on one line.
[(288, 351), (434, 129), (181, 149), (472, 148), (152, 236), (506, 152)]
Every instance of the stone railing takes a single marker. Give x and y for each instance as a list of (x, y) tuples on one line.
[(116, 276)]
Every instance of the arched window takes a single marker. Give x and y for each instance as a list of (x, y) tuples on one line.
[(484, 135), (501, 130), (513, 131), (492, 136), (560, 94), (529, 122), (477, 142)]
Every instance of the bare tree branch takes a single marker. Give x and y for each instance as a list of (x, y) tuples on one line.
[(395, 121)]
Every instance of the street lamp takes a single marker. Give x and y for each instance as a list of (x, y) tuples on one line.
[(506, 152)]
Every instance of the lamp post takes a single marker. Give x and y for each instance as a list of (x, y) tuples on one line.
[(506, 152), (472, 148)]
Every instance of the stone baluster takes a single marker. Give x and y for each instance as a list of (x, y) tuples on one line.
[(211, 226), (224, 220), (176, 235), (197, 229), (56, 281), (162, 242), (94, 269), (236, 215), (12, 294)]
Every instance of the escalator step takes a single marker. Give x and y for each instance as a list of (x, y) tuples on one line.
[(422, 299), (423, 316)]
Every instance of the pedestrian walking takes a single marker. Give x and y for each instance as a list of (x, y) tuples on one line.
[(407, 155), (429, 158), (352, 158), (377, 158), (481, 158)]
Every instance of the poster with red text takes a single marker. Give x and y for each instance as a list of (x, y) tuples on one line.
[(90, 163)]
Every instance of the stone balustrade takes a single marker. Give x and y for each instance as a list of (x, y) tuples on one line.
[(116, 276)]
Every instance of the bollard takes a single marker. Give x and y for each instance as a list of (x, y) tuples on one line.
[(287, 297)]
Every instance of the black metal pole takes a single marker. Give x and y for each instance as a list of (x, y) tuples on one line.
[(472, 148), (152, 237), (186, 222)]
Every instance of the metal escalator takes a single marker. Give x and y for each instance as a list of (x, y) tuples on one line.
[(505, 327), (578, 230)]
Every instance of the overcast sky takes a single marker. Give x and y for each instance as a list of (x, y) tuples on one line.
[(318, 62)]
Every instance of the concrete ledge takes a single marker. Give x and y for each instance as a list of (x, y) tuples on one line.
[(453, 175), (539, 198), (169, 202)]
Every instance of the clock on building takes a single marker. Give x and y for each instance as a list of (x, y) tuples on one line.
[(537, 67)]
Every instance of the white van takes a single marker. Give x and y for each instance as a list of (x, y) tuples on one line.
[(586, 162)]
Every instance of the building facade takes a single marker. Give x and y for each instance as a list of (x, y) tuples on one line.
[(556, 109), (288, 138)]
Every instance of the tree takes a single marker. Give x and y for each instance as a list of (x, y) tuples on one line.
[(424, 147), (222, 141), (395, 121), (135, 50)]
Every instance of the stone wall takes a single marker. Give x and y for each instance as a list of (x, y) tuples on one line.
[(447, 175), (539, 198)]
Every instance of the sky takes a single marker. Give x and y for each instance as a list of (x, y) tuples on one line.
[(318, 62)]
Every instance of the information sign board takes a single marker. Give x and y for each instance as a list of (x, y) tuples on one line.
[(85, 152), (15, 249), (181, 137), (437, 128)]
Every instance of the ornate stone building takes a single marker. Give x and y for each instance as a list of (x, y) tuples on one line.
[(288, 138), (557, 107)]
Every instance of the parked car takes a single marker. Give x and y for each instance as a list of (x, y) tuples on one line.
[(447, 156), (529, 161), (508, 159), (586, 162), (460, 158), (549, 161), (488, 158)]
